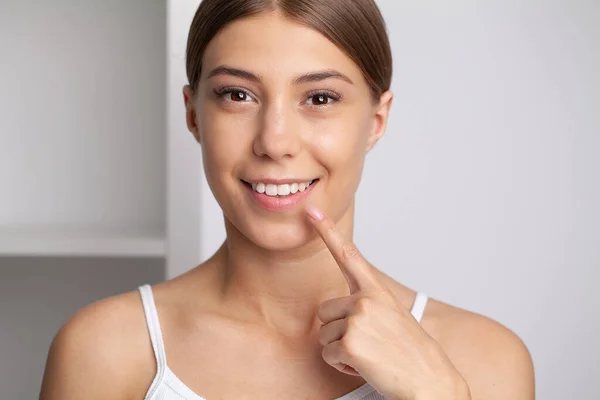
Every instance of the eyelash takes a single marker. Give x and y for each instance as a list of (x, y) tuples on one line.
[(327, 93)]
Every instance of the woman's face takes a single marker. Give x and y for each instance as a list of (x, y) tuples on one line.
[(278, 107)]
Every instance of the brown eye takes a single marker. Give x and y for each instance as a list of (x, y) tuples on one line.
[(237, 95), (319, 99), (232, 95)]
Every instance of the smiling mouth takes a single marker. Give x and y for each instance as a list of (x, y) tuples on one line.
[(282, 190)]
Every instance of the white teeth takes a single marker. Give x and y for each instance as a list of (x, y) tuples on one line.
[(280, 190), (271, 190), (283, 190)]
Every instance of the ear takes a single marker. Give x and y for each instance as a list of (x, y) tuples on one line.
[(190, 111), (380, 119)]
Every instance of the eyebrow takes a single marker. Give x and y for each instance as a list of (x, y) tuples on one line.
[(315, 76)]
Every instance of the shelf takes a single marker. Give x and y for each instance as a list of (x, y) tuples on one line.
[(44, 243)]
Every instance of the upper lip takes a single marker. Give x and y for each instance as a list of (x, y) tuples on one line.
[(278, 181)]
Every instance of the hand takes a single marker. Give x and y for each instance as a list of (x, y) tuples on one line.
[(369, 334)]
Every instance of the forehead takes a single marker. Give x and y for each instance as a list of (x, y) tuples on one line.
[(272, 45)]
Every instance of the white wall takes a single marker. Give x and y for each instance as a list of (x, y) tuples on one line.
[(484, 192), (82, 127), (82, 147), (184, 197)]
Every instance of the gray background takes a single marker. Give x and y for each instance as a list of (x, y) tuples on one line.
[(494, 148), (483, 192), (37, 295)]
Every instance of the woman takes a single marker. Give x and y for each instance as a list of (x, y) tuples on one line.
[(285, 98)]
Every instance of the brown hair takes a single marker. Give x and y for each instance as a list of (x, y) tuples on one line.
[(355, 26)]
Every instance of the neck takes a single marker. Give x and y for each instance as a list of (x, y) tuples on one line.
[(281, 290)]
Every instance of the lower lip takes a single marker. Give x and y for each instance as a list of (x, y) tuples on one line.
[(287, 203)]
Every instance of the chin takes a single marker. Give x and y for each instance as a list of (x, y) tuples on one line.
[(283, 236)]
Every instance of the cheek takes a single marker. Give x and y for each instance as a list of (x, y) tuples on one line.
[(340, 147), (224, 140)]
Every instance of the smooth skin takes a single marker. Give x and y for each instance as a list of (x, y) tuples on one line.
[(287, 307)]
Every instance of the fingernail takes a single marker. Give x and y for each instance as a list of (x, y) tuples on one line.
[(314, 212)]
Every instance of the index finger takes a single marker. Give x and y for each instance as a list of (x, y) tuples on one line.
[(355, 268)]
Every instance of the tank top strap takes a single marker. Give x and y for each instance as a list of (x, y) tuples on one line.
[(154, 331), (418, 308)]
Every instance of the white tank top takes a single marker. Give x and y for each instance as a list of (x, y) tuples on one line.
[(167, 386)]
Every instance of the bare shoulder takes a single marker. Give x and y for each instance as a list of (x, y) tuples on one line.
[(494, 361), (101, 352)]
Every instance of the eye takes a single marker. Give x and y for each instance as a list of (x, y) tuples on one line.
[(320, 99), (233, 95)]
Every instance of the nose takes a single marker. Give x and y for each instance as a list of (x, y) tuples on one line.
[(277, 137)]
